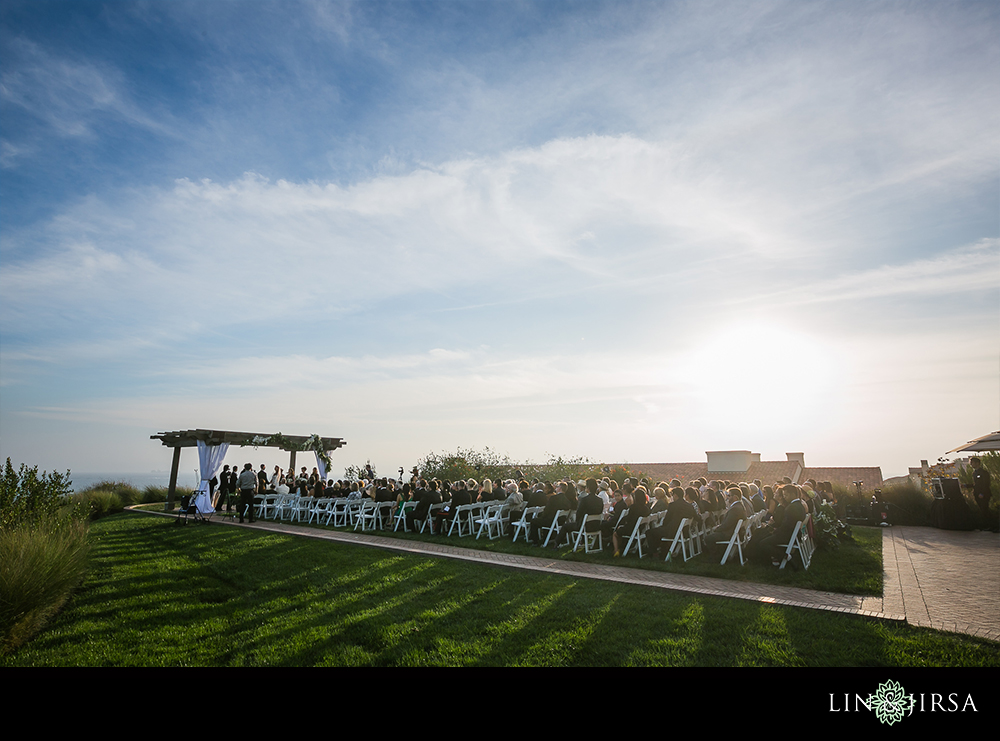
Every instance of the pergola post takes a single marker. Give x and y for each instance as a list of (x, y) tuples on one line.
[(291, 463), (172, 491)]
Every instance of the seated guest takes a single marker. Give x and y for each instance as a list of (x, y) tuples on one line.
[(660, 538), (614, 515), (460, 495), (539, 495), (603, 492), (638, 507), (404, 494), (535, 496), (514, 502), (385, 491), (569, 489), (589, 504), (734, 514), (788, 515), (660, 501), (557, 502), (429, 495), (486, 492)]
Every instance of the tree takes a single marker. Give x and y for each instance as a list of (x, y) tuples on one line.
[(466, 463)]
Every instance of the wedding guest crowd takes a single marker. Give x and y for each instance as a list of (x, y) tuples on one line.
[(565, 504)]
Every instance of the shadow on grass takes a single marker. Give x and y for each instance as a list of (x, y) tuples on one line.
[(853, 567), (159, 595)]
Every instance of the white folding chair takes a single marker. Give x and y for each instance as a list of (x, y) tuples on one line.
[(429, 520), (801, 542), (553, 527), (284, 506), (401, 516), (685, 539), (737, 540), (491, 520), (367, 515), (267, 505), (593, 542), (301, 508), (638, 535), (524, 522), (383, 514), (463, 518), (337, 513), (320, 509)]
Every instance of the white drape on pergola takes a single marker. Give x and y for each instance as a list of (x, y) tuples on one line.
[(322, 468), (210, 459)]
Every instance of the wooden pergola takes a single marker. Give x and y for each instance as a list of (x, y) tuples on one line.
[(189, 438)]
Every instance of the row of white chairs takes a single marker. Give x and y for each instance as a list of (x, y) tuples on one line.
[(492, 519), (799, 542)]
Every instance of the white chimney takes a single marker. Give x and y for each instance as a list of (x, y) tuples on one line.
[(728, 461)]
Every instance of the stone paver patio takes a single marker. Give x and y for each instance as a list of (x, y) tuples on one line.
[(943, 579)]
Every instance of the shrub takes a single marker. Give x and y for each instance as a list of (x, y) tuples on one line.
[(98, 503), (908, 504), (466, 463), (153, 494), (126, 492), (828, 528), (27, 497), (43, 550), (356, 473)]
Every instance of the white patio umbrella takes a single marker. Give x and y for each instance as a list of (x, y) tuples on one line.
[(980, 444)]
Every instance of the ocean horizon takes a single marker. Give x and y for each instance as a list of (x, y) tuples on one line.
[(140, 480)]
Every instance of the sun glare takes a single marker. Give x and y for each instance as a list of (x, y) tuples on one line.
[(760, 375)]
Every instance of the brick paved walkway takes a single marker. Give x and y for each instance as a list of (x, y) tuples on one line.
[(938, 579), (943, 579)]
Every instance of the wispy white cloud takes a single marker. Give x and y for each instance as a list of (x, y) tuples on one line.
[(11, 153), (69, 95), (965, 270), (595, 210)]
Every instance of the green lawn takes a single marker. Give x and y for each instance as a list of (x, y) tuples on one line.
[(162, 595), (851, 568)]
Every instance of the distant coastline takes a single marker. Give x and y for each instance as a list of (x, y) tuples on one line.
[(138, 479)]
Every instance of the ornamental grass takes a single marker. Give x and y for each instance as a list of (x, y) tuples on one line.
[(40, 566)]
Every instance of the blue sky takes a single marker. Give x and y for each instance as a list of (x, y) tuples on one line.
[(628, 231)]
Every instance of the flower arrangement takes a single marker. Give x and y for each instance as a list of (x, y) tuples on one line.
[(315, 444)]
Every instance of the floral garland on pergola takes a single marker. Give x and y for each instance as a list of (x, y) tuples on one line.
[(313, 443)]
